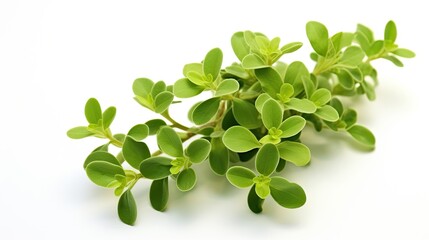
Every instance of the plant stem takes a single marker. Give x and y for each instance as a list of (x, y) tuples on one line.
[(175, 124)]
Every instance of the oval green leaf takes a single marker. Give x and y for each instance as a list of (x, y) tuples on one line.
[(205, 111), (159, 194), (292, 126), (270, 80), (226, 87), (108, 116), (240, 139), (318, 36), (262, 189), (154, 125), (184, 88), (272, 114), (212, 63), (352, 56), (327, 113), (240, 177), (139, 132), (142, 87), (101, 156), (79, 133), (390, 33), (362, 135), (294, 152), (156, 168), (246, 114), (321, 96), (127, 208), (186, 180), (291, 47), (301, 105), (169, 142), (405, 53), (254, 201), (163, 101), (219, 156), (267, 159), (287, 194), (239, 45), (135, 152), (198, 150), (93, 111), (103, 173), (253, 61)]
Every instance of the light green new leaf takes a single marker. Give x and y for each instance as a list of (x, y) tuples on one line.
[(154, 125), (362, 135), (308, 85), (390, 33), (108, 116), (405, 53), (260, 101), (186, 180), (101, 156), (254, 201), (158, 88), (238, 71), (352, 56), (139, 132), (287, 194), (163, 101), (246, 114), (318, 36), (226, 87), (294, 152), (394, 60), (142, 87), (93, 111), (267, 159), (294, 74), (159, 194), (270, 80), (272, 114), (79, 132), (198, 150), (321, 96), (240, 139), (327, 113), (196, 78), (291, 47), (135, 152), (262, 189), (156, 168), (219, 156), (239, 45), (212, 63), (292, 126), (253, 61), (103, 173), (286, 92), (375, 48), (240, 177), (169, 142), (184, 88), (205, 111), (301, 105), (349, 117), (367, 33), (127, 208), (192, 67)]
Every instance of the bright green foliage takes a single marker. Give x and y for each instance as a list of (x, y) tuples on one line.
[(257, 112)]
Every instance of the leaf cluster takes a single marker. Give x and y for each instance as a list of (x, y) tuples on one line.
[(257, 112)]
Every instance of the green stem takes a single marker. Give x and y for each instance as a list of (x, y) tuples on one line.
[(167, 116)]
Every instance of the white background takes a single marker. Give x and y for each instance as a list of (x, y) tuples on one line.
[(54, 55)]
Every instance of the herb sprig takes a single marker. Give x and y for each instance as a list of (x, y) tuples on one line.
[(258, 109)]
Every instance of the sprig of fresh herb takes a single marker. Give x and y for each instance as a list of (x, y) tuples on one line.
[(257, 111)]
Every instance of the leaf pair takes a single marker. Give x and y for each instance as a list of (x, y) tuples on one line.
[(154, 96)]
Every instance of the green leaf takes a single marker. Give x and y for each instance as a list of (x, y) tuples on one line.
[(287, 194), (291, 47), (267, 159), (405, 53), (375, 48), (327, 113), (156, 168), (270, 80), (362, 135), (93, 111), (308, 86), (294, 74), (186, 180), (349, 117), (142, 87), (103, 173), (219, 156), (318, 36), (394, 60), (205, 111), (369, 90), (169, 142), (254, 201), (292, 126), (163, 101), (154, 125), (301, 105), (158, 88), (196, 78), (212, 63), (262, 189), (246, 114), (159, 194), (294, 152), (260, 101), (101, 156), (336, 103), (367, 33), (108, 116), (184, 88), (352, 56), (226, 87), (240, 177), (272, 114), (345, 79), (253, 61), (139, 132), (321, 96), (355, 73), (238, 71), (127, 208), (198, 150), (79, 132), (240, 139), (239, 45), (192, 67), (135, 152), (390, 33)]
